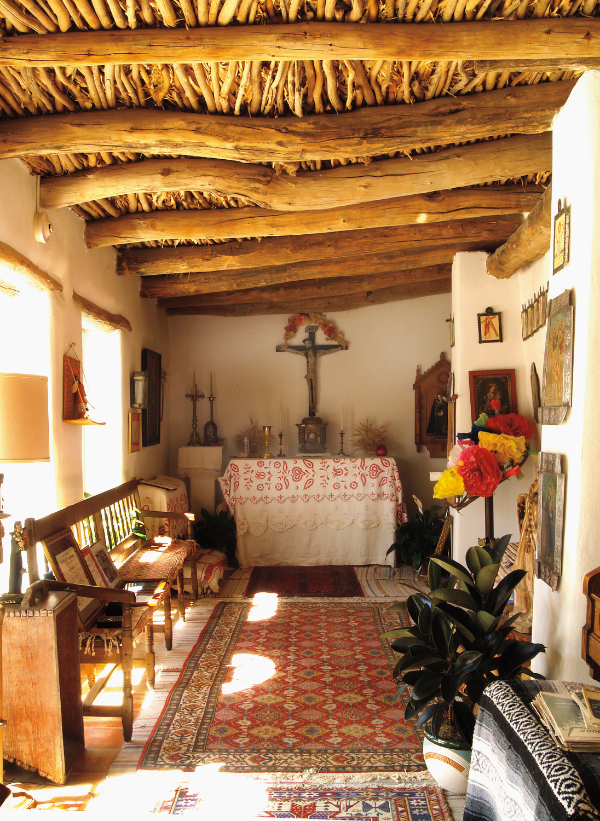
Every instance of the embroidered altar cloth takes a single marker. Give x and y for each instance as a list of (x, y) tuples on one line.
[(313, 510)]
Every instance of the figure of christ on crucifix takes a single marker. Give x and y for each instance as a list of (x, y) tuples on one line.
[(310, 350)]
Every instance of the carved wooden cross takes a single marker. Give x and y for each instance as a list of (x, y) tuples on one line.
[(310, 350)]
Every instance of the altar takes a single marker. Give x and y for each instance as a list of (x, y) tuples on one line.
[(313, 511)]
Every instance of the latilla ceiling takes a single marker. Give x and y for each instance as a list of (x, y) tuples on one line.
[(267, 156)]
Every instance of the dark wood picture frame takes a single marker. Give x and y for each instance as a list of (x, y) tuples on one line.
[(557, 380), (550, 519), (486, 385), (152, 364), (489, 326)]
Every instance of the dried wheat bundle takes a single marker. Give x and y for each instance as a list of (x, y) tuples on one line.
[(367, 437), (256, 439)]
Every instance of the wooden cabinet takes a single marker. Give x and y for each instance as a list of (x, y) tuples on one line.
[(41, 688)]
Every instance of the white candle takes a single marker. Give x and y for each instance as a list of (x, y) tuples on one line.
[(280, 419), (211, 393), (342, 421), (194, 381)]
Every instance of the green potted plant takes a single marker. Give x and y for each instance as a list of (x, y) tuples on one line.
[(416, 539), (216, 531), (460, 642)]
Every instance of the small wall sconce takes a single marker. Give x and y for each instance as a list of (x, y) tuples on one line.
[(139, 389)]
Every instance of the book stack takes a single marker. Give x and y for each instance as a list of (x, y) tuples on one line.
[(572, 720)]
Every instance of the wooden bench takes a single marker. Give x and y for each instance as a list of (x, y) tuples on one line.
[(93, 543), (108, 517)]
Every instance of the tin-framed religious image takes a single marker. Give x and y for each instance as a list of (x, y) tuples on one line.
[(490, 326), (550, 519), (558, 361), (562, 237)]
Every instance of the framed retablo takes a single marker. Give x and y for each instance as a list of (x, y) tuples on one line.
[(489, 326), (562, 237), (558, 361), (551, 507), (491, 391)]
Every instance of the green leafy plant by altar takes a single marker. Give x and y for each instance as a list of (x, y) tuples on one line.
[(460, 641), (216, 531), (417, 539)]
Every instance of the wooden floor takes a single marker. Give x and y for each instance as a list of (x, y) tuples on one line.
[(104, 737)]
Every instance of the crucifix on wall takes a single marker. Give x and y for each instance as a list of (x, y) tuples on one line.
[(311, 351)]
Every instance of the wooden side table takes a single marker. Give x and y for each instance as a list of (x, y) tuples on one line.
[(41, 686)]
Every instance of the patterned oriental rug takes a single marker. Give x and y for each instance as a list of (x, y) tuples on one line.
[(340, 802), (307, 686), (323, 581)]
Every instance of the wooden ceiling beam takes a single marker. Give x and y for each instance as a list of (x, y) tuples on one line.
[(253, 253), (313, 288), (529, 242), (403, 262), (233, 223), (328, 305), (455, 167), (550, 65), (364, 132), (498, 39)]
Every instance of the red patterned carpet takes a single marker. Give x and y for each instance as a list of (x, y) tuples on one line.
[(314, 690), (326, 581)]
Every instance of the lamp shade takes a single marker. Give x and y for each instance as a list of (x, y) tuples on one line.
[(24, 424)]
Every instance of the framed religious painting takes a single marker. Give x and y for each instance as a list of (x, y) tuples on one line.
[(550, 519), (151, 363), (489, 325), (558, 361), (492, 391)]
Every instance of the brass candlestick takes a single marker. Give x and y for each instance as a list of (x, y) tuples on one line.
[(341, 453), (267, 432)]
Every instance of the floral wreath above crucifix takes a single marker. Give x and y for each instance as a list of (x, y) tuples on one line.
[(298, 320)]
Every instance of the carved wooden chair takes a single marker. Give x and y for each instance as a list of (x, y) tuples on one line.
[(110, 643)]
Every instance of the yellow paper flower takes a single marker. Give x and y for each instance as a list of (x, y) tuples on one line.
[(504, 447), (449, 484)]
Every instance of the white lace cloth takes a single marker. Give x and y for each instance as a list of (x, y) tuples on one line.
[(313, 511)]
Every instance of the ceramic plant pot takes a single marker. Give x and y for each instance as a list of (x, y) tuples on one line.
[(448, 762)]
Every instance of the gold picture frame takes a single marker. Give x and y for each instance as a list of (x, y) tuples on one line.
[(135, 431)]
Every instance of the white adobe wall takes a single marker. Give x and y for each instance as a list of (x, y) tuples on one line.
[(373, 378), (560, 616), (91, 274)]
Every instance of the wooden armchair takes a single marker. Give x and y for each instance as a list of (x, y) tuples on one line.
[(111, 645)]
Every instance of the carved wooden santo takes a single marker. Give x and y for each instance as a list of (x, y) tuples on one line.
[(431, 395)]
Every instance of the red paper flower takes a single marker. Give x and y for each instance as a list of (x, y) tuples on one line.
[(291, 328), (512, 424), (479, 471)]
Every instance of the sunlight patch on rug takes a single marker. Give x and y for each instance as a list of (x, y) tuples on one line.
[(329, 702)]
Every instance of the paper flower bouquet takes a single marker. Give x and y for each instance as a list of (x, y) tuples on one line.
[(493, 451)]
